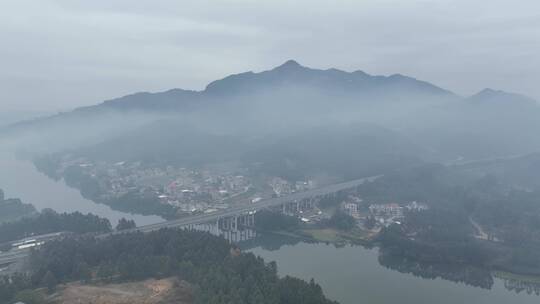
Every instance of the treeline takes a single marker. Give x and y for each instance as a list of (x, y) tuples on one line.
[(142, 203), (49, 221), (459, 273), (509, 217), (48, 165), (340, 220), (218, 272), (13, 209), (432, 248), (90, 188), (272, 221)]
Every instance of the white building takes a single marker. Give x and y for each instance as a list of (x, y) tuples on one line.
[(351, 209)]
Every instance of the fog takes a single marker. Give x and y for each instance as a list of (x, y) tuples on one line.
[(59, 55), (255, 110)]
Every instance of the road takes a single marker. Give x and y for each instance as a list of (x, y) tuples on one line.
[(480, 233), (263, 204), (13, 256), (466, 162)]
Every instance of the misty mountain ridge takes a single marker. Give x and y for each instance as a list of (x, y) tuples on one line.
[(501, 98), (290, 75), (356, 86), (291, 99)]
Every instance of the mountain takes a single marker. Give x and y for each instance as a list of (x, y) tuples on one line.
[(341, 151), (290, 74), (289, 96), (519, 171), (488, 124), (345, 151), (291, 99), (497, 98)]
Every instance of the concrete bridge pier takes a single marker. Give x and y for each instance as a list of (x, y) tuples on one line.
[(228, 223)]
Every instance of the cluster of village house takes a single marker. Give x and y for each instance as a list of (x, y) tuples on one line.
[(205, 190), (188, 190), (384, 214), (282, 187)]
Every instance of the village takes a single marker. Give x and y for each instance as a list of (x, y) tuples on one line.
[(187, 190), (374, 216)]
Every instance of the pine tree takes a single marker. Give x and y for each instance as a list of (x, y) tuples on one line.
[(49, 280)]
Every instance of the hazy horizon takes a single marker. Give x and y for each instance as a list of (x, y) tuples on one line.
[(65, 54)]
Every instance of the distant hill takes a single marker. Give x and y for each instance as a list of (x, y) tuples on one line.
[(343, 151), (497, 98), (521, 171), (292, 81), (290, 75), (240, 113), (13, 209), (488, 124)]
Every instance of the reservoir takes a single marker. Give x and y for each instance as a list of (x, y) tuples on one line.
[(20, 179), (353, 275)]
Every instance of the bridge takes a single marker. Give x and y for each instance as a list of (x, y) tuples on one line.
[(233, 212), (244, 209)]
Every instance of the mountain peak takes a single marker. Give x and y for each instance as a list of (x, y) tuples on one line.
[(289, 64), (501, 97), (489, 92)]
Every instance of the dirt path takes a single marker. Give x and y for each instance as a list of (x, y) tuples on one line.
[(150, 291), (480, 233)]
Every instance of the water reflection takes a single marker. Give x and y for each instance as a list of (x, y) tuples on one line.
[(353, 273), (20, 179), (468, 275), (530, 286)]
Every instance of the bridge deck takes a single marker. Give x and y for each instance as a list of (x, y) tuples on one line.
[(13, 256)]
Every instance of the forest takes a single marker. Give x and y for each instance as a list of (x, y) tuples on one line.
[(13, 209), (218, 271), (49, 221), (461, 204)]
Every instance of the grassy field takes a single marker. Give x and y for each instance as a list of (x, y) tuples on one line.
[(331, 235)]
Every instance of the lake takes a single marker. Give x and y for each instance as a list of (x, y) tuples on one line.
[(20, 179), (353, 275)]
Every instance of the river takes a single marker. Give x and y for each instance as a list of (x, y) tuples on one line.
[(350, 275), (353, 275), (20, 179)]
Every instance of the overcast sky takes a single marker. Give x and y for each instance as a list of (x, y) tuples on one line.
[(57, 55)]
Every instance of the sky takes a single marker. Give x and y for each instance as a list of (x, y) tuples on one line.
[(59, 55)]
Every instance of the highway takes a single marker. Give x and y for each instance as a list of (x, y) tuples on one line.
[(263, 204), (18, 254), (13, 256)]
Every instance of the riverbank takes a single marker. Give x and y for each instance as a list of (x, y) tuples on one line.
[(328, 235), (354, 274), (20, 178), (425, 267)]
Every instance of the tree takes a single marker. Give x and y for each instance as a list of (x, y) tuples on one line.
[(342, 221), (124, 224), (29, 297), (49, 280), (198, 257), (370, 222), (84, 272)]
